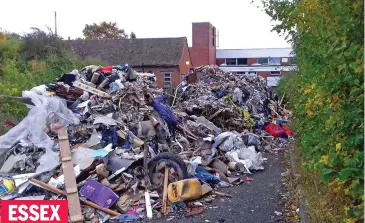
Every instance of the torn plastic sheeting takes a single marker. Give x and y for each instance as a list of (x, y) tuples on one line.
[(22, 178), (82, 157), (106, 120), (11, 162), (115, 163), (94, 139), (251, 139), (247, 157), (99, 193), (256, 158), (41, 90), (226, 141), (83, 104), (47, 110), (48, 161)]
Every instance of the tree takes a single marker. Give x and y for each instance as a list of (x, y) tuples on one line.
[(104, 30), (132, 35), (40, 44)]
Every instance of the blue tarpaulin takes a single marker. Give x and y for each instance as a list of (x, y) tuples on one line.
[(165, 112), (205, 176)]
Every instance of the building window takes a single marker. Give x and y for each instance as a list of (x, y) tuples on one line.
[(274, 60), (231, 61), (167, 80), (252, 74), (241, 61), (293, 61), (263, 61), (284, 60), (275, 73)]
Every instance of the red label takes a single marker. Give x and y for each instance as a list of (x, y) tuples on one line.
[(34, 211)]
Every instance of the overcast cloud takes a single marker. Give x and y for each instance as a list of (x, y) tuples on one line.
[(240, 24)]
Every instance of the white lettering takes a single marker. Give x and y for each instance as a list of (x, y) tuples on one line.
[(34, 211), (55, 213), (44, 212), (12, 212), (23, 214)]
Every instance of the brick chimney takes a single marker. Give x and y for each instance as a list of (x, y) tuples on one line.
[(203, 50)]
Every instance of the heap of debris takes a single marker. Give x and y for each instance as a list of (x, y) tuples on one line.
[(134, 156)]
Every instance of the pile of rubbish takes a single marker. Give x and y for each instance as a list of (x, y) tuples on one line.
[(135, 151)]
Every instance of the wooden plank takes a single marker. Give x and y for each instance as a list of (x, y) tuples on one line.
[(74, 207), (164, 195)]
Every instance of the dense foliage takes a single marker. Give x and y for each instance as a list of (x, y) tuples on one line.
[(105, 30), (327, 94), (26, 61)]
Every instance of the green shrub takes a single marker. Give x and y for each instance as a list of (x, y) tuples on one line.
[(31, 60), (327, 94)]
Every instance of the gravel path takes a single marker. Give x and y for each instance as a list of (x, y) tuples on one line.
[(253, 202)]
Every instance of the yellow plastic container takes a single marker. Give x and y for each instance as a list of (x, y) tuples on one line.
[(184, 190)]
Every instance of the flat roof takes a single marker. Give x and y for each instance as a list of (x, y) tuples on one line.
[(254, 53)]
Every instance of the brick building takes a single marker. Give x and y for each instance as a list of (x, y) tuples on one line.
[(270, 63), (167, 58), (171, 58)]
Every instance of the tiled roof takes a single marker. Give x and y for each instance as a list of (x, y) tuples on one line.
[(149, 51)]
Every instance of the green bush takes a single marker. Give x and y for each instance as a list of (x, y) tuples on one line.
[(31, 60), (327, 94)]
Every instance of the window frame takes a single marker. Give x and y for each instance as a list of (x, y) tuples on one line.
[(286, 58), (242, 59), (276, 73), (166, 83), (295, 59), (270, 60), (231, 59), (267, 59)]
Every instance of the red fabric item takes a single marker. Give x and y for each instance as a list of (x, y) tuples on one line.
[(107, 69), (277, 130), (287, 131)]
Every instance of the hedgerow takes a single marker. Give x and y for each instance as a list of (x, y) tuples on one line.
[(30, 60), (327, 94)]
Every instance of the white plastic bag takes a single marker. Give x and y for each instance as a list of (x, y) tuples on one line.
[(47, 110), (225, 141), (247, 157), (256, 158)]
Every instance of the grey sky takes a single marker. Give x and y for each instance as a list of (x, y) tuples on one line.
[(240, 24)]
